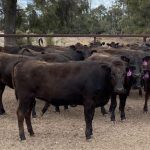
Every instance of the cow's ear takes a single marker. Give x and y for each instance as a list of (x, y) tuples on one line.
[(146, 58), (85, 45), (25, 50), (107, 68), (73, 47), (78, 51), (125, 58), (93, 51), (103, 43)]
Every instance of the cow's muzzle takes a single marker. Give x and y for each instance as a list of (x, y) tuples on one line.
[(120, 90)]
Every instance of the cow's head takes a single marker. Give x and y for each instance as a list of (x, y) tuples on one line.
[(83, 50), (133, 67), (118, 76)]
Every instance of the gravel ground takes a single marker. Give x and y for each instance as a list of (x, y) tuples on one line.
[(65, 131)]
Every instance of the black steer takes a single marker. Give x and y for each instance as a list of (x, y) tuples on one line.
[(76, 83)]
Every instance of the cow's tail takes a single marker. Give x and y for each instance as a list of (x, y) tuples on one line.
[(45, 108), (25, 50), (13, 77), (40, 42)]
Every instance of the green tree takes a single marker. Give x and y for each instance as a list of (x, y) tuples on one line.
[(137, 16)]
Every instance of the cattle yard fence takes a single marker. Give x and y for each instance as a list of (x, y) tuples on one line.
[(94, 36)]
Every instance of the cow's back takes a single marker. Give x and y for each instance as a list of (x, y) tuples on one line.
[(65, 81)]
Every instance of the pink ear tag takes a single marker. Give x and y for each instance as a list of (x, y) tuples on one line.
[(146, 76), (129, 73), (144, 63)]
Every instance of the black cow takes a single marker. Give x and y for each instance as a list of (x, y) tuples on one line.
[(73, 53), (7, 62), (146, 83), (146, 80), (127, 83), (134, 59), (62, 84), (77, 52), (114, 45), (123, 74)]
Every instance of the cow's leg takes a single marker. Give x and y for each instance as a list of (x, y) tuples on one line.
[(65, 107), (145, 109), (45, 108), (113, 106), (122, 98), (21, 116), (103, 110), (88, 114), (33, 110), (2, 87), (140, 92), (28, 118), (57, 109)]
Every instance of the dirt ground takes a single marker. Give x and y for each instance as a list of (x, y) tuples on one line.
[(65, 131)]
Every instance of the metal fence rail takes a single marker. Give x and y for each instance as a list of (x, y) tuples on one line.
[(144, 36)]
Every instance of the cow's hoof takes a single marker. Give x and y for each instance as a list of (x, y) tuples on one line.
[(114, 122), (2, 112), (113, 119), (32, 134), (22, 137), (65, 107), (104, 112), (88, 137), (140, 93), (123, 118), (145, 110), (57, 111)]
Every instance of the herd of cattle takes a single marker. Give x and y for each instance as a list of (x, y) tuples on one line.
[(76, 75)]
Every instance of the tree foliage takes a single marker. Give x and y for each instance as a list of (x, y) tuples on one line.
[(77, 16)]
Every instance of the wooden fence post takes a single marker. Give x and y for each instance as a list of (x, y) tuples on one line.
[(28, 40), (94, 39), (144, 39)]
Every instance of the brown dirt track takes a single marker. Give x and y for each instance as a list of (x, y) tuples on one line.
[(65, 131)]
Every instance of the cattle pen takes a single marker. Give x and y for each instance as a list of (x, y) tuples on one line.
[(65, 130)]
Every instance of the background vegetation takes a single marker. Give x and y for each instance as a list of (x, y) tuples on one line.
[(76, 16)]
